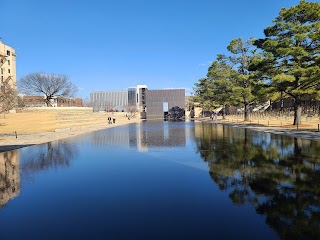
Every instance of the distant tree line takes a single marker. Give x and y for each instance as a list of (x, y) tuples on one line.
[(283, 64)]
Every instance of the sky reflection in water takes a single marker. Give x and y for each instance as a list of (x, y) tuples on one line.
[(162, 180)]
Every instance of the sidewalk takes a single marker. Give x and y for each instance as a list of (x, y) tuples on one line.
[(292, 132)]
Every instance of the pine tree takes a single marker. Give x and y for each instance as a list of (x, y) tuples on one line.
[(292, 53)]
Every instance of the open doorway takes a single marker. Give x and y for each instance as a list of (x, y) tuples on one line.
[(165, 108)]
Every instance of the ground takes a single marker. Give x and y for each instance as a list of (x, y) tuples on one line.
[(308, 123), (28, 122), (35, 127)]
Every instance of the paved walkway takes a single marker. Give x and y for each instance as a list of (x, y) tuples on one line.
[(305, 134), (10, 142)]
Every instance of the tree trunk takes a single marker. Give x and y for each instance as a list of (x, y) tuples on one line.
[(297, 150), (297, 111), (48, 102), (246, 112)]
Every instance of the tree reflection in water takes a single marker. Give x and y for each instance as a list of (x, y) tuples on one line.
[(51, 155), (277, 175)]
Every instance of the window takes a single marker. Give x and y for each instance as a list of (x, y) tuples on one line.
[(1, 70), (1, 78), (8, 62), (8, 70), (8, 52)]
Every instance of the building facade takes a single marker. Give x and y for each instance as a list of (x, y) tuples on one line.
[(7, 65), (7, 78), (109, 100), (149, 104), (137, 100), (160, 102), (39, 101)]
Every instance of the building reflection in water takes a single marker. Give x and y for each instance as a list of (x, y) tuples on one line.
[(158, 135), (110, 138), (277, 175), (9, 176), (143, 136), (42, 157)]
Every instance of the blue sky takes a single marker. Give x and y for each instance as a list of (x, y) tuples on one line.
[(113, 45)]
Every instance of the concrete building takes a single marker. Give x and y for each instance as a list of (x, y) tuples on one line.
[(7, 65), (7, 78), (149, 104), (137, 99), (160, 102), (69, 102), (109, 100), (39, 101)]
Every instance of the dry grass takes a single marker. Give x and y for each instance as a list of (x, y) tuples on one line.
[(35, 122), (28, 122)]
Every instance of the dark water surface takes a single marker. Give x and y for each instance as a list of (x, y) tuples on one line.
[(163, 180)]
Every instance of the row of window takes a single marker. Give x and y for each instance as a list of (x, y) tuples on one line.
[(2, 71), (2, 61), (8, 53), (2, 78)]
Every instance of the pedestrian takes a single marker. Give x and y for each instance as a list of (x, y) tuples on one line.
[(114, 119), (109, 120)]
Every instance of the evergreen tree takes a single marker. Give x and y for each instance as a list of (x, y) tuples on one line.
[(292, 53), (220, 73), (204, 94), (244, 80)]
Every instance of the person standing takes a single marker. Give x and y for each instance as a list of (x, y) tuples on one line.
[(114, 119)]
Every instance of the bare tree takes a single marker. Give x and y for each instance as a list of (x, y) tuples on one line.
[(8, 96), (50, 85), (20, 101), (87, 102), (107, 106), (132, 110)]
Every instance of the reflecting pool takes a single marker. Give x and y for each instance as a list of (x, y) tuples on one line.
[(163, 180)]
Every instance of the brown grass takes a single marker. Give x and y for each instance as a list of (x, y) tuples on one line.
[(28, 122), (35, 122)]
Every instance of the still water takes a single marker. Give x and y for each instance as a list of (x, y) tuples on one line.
[(163, 180)]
